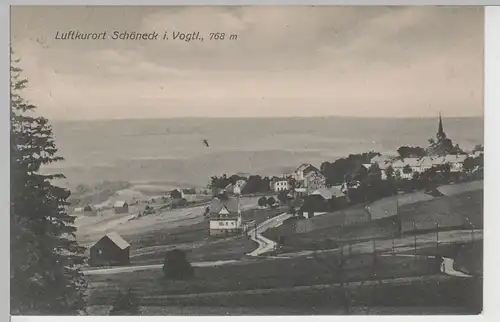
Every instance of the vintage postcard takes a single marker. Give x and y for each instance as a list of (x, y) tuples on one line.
[(246, 160)]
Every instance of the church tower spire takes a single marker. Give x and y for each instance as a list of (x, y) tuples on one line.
[(440, 134)]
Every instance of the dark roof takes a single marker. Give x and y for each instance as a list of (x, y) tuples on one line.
[(306, 168), (217, 205), (116, 239), (120, 204)]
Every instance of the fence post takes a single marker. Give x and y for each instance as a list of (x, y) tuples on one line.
[(414, 238), (437, 235)]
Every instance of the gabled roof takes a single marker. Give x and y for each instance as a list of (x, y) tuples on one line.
[(119, 204), (398, 164), (455, 158), (327, 193), (412, 162), (217, 205), (314, 174), (438, 161), (306, 167), (117, 240), (380, 158), (367, 166), (384, 164), (426, 162)]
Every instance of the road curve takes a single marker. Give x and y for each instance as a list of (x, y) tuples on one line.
[(265, 244), (446, 265)]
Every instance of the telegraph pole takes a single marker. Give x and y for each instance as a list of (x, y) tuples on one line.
[(414, 238), (437, 234)]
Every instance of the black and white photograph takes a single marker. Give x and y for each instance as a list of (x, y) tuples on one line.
[(246, 160)]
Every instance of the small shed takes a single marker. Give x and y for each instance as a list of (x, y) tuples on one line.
[(120, 207), (110, 250), (176, 194)]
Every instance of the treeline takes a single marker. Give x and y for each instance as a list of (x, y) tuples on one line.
[(45, 259), (343, 169), (366, 185), (254, 183)]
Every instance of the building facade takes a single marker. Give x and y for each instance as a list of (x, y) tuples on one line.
[(225, 217), (110, 250), (281, 185)]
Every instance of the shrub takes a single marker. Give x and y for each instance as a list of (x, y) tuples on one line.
[(176, 265), (125, 304), (262, 201)]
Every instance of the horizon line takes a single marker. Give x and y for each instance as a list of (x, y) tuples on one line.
[(261, 118)]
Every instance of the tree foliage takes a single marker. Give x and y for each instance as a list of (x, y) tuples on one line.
[(176, 265), (262, 201), (125, 304), (283, 197), (256, 184), (271, 201), (175, 194), (337, 171), (411, 152), (442, 147), (45, 258)]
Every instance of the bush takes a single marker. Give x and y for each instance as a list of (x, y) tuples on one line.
[(176, 265), (262, 201), (125, 304)]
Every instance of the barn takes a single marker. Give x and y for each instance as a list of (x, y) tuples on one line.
[(120, 207), (110, 250)]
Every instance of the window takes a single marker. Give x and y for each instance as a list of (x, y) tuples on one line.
[(99, 251)]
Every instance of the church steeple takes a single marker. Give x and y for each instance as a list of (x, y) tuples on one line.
[(440, 133)]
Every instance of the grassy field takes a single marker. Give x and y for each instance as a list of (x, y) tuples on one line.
[(261, 274), (149, 248), (428, 293), (460, 211)]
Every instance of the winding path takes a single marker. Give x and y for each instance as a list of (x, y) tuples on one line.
[(265, 244), (446, 265)]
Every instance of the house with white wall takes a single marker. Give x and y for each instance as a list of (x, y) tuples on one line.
[(225, 217), (236, 188), (304, 169), (313, 181), (281, 185), (456, 161)]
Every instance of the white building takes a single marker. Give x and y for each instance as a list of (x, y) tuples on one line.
[(235, 188), (456, 162), (225, 217), (304, 169), (281, 185), (313, 181)]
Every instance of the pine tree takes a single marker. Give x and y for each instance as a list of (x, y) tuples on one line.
[(45, 258)]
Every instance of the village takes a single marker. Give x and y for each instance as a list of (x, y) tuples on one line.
[(305, 160), (390, 200), (305, 193)]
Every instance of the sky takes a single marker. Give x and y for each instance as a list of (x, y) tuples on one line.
[(287, 61)]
